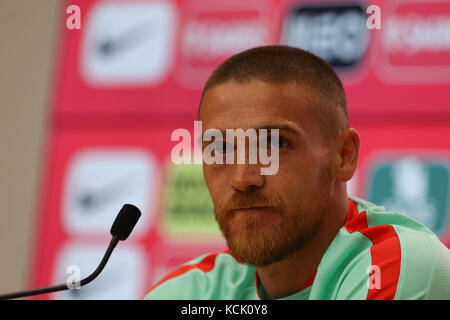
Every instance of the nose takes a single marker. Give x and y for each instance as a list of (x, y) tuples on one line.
[(247, 177)]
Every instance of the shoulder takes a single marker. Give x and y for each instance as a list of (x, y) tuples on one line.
[(425, 266), (197, 279), (405, 256)]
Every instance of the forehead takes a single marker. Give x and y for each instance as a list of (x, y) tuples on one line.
[(254, 104)]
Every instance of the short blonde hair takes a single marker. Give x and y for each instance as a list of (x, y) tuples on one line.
[(282, 64)]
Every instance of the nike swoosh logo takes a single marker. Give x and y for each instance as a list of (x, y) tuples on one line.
[(90, 200), (134, 36)]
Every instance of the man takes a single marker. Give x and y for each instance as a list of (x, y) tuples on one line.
[(297, 234)]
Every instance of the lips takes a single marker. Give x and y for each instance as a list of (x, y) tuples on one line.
[(249, 209), (259, 214), (251, 219)]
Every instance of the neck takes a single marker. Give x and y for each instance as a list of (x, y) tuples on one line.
[(288, 276)]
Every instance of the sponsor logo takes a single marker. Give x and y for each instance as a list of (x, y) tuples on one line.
[(416, 43), (188, 211), (413, 186), (77, 261), (128, 43), (210, 36), (336, 33), (100, 181)]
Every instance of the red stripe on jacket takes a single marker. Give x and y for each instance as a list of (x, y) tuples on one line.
[(385, 252), (205, 265)]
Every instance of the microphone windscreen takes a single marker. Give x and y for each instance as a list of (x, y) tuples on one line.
[(125, 221)]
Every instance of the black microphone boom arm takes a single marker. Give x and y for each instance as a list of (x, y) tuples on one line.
[(65, 286), (123, 225)]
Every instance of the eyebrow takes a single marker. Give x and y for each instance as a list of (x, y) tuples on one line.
[(282, 127), (285, 127)]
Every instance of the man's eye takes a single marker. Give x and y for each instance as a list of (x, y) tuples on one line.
[(277, 142), (221, 147), (283, 142)]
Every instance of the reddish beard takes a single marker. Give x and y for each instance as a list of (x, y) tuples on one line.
[(288, 234)]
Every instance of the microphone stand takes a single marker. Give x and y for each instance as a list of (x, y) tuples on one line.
[(115, 239)]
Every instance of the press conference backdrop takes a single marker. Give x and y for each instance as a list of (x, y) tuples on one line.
[(133, 73)]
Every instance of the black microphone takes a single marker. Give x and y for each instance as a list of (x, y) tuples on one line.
[(125, 221)]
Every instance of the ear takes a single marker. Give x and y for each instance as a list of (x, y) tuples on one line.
[(347, 154)]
